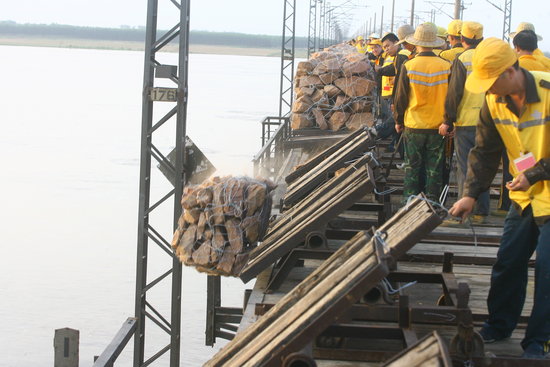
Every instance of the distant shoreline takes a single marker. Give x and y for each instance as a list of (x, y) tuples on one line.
[(138, 46)]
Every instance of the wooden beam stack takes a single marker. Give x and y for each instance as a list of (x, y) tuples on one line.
[(333, 90), (312, 213), (430, 351), (318, 301), (323, 166)]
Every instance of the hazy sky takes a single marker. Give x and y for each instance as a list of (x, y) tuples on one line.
[(265, 16)]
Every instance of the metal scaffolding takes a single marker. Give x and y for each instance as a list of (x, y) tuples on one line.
[(287, 58), (154, 71), (322, 25), (506, 28), (312, 33)]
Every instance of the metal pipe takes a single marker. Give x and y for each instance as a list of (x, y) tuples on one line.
[(316, 240), (412, 13), (382, 22), (458, 6), (392, 14), (373, 296), (302, 358), (299, 360)]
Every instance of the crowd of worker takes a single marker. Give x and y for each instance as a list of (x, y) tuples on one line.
[(492, 101)]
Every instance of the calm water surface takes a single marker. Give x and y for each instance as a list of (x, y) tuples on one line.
[(69, 149)]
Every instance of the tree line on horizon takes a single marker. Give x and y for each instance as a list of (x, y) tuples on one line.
[(60, 31)]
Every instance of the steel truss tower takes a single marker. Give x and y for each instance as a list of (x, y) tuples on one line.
[(287, 58), (148, 231), (312, 34), (506, 28)]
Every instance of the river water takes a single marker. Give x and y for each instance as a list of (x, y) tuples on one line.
[(69, 149)]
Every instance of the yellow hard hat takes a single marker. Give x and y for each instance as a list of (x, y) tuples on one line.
[(491, 58), (454, 27), (359, 38), (375, 41), (472, 30), (441, 32)]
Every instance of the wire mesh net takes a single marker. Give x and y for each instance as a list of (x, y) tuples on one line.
[(222, 221)]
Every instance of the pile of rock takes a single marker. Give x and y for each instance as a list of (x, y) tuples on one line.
[(222, 220), (334, 90)]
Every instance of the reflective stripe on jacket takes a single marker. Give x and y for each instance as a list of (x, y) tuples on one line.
[(529, 133), (387, 81), (501, 125)]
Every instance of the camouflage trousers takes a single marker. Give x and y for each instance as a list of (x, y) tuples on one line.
[(424, 154)]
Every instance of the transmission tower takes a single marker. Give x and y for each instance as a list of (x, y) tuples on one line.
[(149, 232), (506, 29), (312, 34), (287, 58)]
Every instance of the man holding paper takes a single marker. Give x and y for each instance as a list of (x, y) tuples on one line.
[(515, 115)]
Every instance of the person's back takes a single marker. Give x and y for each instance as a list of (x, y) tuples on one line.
[(419, 110), (462, 113), (453, 36), (428, 77), (525, 43)]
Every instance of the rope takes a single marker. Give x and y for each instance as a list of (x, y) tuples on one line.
[(391, 290), (439, 205), (386, 192), (380, 237), (434, 203)]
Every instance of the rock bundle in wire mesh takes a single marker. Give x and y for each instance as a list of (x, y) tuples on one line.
[(334, 90), (222, 220)]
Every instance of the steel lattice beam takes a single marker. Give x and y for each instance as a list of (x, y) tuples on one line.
[(147, 230), (506, 29), (287, 58), (312, 34)]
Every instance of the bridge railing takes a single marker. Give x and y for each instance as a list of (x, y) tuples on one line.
[(275, 131)]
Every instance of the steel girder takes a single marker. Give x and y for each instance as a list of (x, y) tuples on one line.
[(145, 310)]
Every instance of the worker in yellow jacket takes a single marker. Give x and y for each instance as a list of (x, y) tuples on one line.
[(419, 109), (537, 53), (361, 45), (462, 113), (453, 36), (525, 42), (515, 115)]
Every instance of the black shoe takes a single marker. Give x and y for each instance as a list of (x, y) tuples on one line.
[(527, 355), (535, 351), (489, 336)]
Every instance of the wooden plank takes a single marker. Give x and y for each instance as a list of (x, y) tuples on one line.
[(305, 309), (429, 351), (317, 276), (313, 199), (311, 218), (402, 228), (323, 165), (320, 173), (317, 159), (324, 296)]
